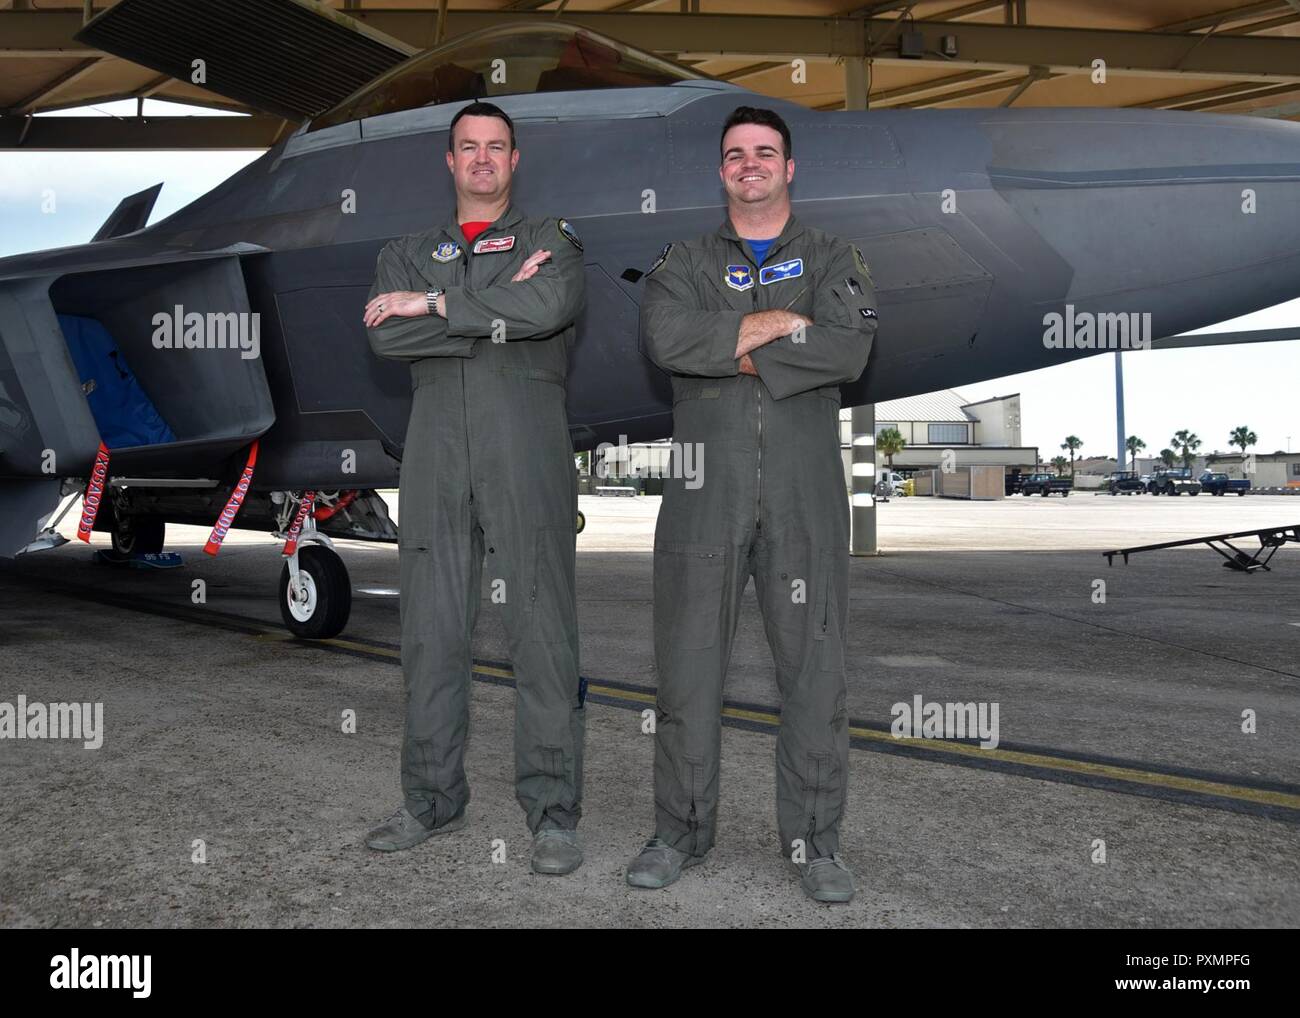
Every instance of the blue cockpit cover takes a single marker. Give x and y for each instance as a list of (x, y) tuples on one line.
[(122, 410)]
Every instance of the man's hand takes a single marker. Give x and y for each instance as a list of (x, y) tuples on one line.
[(762, 327), (530, 266), (746, 366), (404, 303), (412, 304)]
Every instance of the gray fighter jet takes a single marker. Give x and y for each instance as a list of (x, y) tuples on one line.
[(1000, 241)]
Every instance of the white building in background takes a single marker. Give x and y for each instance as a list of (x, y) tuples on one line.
[(986, 433), (983, 434), (1264, 469)]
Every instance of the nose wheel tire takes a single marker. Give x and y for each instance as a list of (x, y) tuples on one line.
[(318, 609), (139, 535)]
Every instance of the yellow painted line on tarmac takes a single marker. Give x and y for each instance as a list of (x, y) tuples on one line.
[(957, 749), (1113, 771)]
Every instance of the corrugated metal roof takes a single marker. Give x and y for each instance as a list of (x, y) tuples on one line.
[(945, 405)]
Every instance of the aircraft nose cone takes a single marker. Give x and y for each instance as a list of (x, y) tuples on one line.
[(1193, 214)]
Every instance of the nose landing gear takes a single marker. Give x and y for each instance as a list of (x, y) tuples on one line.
[(315, 591)]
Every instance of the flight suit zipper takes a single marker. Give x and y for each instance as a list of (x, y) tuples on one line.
[(467, 273), (758, 391), (758, 498)]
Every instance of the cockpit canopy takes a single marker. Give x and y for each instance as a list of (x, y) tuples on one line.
[(507, 60)]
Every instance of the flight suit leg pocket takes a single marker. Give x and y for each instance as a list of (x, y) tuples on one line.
[(827, 637), (688, 582), (552, 594), (415, 529)]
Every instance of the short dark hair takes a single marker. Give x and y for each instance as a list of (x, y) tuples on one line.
[(480, 109), (757, 115)]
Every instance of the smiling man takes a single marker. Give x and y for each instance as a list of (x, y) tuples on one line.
[(758, 324), (484, 307)]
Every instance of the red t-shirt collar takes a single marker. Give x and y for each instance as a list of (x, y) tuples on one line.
[(472, 230)]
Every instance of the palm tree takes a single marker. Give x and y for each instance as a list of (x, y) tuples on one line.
[(1134, 445), (1242, 438), (1060, 462), (1186, 443), (1167, 457), (1073, 444), (891, 442)]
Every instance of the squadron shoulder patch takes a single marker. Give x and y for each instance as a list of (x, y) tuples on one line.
[(570, 234), (447, 251), (663, 257), (860, 262)]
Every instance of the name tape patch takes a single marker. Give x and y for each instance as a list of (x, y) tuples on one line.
[(489, 245), (782, 270)]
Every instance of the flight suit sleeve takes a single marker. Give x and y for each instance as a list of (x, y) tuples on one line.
[(836, 346), (676, 333), (409, 339), (532, 309)]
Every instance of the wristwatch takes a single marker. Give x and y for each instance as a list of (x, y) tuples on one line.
[(431, 299)]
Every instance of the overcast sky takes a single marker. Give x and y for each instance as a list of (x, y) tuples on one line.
[(1209, 390)]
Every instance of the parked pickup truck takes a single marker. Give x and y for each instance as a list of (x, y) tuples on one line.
[(1221, 484), (1045, 484), (1125, 482), (1174, 482)]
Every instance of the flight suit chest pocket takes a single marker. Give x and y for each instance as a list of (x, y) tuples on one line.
[(551, 604), (688, 592), (441, 274), (801, 303), (495, 268), (732, 287)]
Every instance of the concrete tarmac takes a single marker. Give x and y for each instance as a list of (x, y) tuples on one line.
[(1119, 722)]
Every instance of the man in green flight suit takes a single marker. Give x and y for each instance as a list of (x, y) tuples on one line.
[(483, 307), (758, 323)]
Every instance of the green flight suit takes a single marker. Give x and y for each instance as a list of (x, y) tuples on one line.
[(772, 504), (488, 464)]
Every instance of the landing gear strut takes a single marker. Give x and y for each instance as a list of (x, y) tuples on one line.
[(315, 591)]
